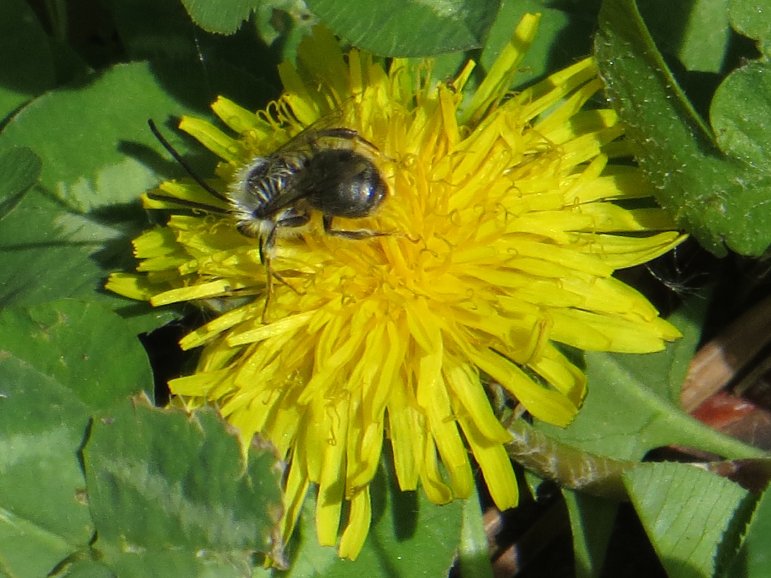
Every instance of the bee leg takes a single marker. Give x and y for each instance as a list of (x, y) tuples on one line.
[(266, 245), (297, 219), (350, 234)]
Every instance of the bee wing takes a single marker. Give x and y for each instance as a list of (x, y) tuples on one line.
[(329, 129), (304, 139)]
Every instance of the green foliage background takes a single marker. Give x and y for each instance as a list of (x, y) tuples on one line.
[(97, 481)]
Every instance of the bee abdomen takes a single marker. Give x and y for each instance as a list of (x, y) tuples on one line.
[(343, 183)]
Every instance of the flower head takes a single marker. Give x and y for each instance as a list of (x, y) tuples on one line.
[(498, 238)]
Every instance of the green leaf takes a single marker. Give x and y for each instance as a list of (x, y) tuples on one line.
[(409, 536), (754, 557), (706, 34), (19, 170), (741, 114), (749, 18), (722, 201), (86, 569), (171, 495), (408, 27), (689, 515), (80, 345), (97, 149), (28, 67), (60, 362), (283, 24), (697, 32), (591, 526), (46, 252), (151, 30), (99, 156), (49, 253), (220, 17), (632, 405), (474, 550), (162, 30)]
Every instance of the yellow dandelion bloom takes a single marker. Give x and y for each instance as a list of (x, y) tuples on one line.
[(501, 230)]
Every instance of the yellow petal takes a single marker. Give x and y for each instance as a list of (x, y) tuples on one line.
[(359, 519)]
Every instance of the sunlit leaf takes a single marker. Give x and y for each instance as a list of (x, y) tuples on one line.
[(67, 235), (688, 515), (749, 18), (723, 202), (61, 362), (171, 495), (741, 114), (408, 27), (696, 32)]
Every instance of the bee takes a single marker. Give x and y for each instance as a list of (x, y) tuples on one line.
[(329, 170), (332, 171)]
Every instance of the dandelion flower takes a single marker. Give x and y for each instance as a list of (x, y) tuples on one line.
[(504, 222)]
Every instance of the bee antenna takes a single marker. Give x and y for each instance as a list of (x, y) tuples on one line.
[(183, 163)]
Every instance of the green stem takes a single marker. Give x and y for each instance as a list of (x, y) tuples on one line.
[(692, 433)]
